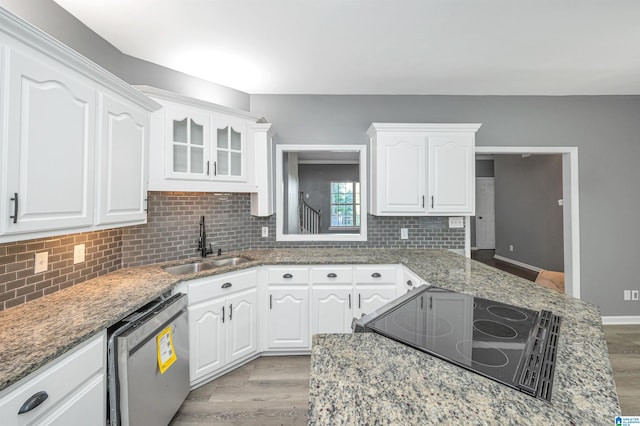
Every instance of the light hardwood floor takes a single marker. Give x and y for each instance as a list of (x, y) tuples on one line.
[(275, 390)]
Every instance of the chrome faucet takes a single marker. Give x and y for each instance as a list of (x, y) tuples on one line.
[(202, 240)]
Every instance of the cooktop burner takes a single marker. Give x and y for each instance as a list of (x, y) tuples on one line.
[(502, 342)]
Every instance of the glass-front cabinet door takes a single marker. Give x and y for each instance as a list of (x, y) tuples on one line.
[(188, 150), (229, 146)]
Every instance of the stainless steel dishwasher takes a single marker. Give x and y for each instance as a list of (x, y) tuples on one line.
[(148, 364)]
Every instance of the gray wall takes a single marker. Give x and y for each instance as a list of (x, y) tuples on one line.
[(57, 22), (606, 130), (315, 180), (527, 212)]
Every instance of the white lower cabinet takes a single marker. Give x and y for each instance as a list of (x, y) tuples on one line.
[(223, 319), (331, 309), (288, 317), (74, 385), (369, 298)]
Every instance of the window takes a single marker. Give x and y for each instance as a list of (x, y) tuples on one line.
[(345, 204)]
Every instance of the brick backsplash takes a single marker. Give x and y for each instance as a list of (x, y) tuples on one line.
[(171, 233), (19, 284)]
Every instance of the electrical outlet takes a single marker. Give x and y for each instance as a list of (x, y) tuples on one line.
[(41, 263), (627, 295), (78, 253), (265, 231), (634, 295), (404, 233), (510, 247), (456, 222)]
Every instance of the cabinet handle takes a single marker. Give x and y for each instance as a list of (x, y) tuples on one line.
[(208, 167), (287, 276), (226, 285), (230, 311), (270, 301), (223, 314), (423, 201), (15, 208), (421, 302), (359, 300), (349, 301), (430, 302), (331, 275), (432, 201), (215, 168), (146, 204), (376, 275), (35, 400), (409, 283)]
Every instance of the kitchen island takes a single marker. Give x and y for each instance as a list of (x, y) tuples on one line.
[(343, 373), (369, 379)]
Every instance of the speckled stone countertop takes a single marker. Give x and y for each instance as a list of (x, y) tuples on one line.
[(584, 391), (369, 379)]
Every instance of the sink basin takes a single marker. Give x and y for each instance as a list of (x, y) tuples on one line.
[(203, 265)]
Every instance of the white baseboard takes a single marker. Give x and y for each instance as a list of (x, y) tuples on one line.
[(621, 320), (515, 262)]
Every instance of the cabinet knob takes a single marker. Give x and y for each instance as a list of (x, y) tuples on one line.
[(34, 401), (331, 275), (287, 276), (410, 283), (376, 275)]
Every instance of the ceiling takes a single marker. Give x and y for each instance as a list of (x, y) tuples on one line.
[(449, 47)]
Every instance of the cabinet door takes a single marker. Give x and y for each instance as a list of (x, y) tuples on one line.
[(451, 174), (187, 144), (331, 309), (229, 149), (122, 162), (86, 407), (449, 323), (242, 338), (50, 137), (370, 298), (401, 178), (288, 317), (206, 338)]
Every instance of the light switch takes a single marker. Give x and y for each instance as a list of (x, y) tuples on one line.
[(78, 253), (41, 263), (456, 222), (265, 231), (404, 233)]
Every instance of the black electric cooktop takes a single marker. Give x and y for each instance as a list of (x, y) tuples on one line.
[(512, 345)]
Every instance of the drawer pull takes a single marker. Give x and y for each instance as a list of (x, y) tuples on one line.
[(376, 275), (226, 285), (331, 275), (33, 402), (287, 276)]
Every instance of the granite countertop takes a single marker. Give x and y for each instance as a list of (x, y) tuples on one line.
[(584, 390)]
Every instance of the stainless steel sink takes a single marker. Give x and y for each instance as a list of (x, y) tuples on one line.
[(203, 265)]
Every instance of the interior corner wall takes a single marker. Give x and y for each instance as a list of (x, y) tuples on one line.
[(527, 214), (60, 24)]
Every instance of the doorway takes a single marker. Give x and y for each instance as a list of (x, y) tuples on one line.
[(485, 213), (571, 219)]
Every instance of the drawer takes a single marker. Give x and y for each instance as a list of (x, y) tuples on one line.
[(287, 275), (59, 379), (221, 285), (372, 274), (332, 275)]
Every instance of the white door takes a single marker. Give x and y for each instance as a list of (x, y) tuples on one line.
[(123, 147), (401, 168), (206, 338), (288, 318), (370, 298), (51, 136), (331, 309), (485, 213), (242, 324), (451, 174)]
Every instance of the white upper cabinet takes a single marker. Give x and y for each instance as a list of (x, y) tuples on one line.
[(123, 149), (73, 145), (203, 147), (451, 174), (422, 169), (50, 145)]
